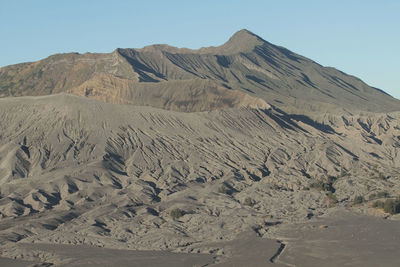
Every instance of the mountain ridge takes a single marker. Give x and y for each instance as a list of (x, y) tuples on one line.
[(246, 63)]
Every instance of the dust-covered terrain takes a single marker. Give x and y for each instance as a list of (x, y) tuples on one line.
[(78, 171), (186, 171)]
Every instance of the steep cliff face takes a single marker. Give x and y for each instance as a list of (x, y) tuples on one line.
[(245, 63)]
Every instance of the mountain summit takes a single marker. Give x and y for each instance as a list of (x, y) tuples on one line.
[(241, 41), (245, 67)]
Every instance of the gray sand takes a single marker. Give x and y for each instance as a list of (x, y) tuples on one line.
[(4, 262), (342, 239)]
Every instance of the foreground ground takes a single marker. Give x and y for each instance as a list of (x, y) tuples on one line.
[(338, 239)]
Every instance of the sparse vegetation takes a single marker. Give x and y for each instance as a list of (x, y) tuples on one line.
[(332, 179), (176, 213), (249, 202), (343, 173), (358, 200), (378, 204), (332, 197), (392, 206), (382, 194), (223, 190), (276, 187), (382, 177), (324, 186)]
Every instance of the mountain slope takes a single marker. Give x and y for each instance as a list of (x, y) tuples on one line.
[(245, 63)]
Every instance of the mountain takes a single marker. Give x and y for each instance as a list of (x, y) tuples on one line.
[(246, 64), (244, 154)]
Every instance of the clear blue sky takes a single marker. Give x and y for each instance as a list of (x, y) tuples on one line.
[(361, 38)]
